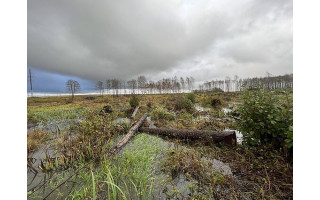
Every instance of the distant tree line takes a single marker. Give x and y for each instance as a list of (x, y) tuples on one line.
[(142, 86), (268, 82), (178, 85)]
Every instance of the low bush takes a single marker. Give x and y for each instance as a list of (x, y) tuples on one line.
[(161, 113), (134, 101), (183, 103), (191, 97), (216, 102), (212, 101)]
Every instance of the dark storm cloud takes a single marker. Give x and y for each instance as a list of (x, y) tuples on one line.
[(51, 82), (100, 39)]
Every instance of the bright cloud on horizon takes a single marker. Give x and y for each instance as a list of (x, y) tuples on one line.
[(96, 40)]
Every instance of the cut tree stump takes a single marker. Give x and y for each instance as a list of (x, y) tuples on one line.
[(126, 138), (229, 137)]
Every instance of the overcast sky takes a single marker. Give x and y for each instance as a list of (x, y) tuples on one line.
[(211, 39)]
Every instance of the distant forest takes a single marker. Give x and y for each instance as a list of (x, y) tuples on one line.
[(238, 84), (177, 85)]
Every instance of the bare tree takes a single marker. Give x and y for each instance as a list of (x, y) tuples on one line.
[(100, 87), (124, 87), (192, 82), (141, 82), (132, 84), (108, 82), (235, 83), (72, 86), (227, 81), (188, 81), (115, 85), (268, 79), (159, 86), (182, 83)]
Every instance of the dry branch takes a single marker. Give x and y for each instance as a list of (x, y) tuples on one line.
[(228, 137), (126, 138), (134, 112)]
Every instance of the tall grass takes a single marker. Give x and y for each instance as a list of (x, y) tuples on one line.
[(128, 176), (93, 187), (133, 171)]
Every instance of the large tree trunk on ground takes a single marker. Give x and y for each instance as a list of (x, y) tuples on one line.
[(229, 137), (126, 138)]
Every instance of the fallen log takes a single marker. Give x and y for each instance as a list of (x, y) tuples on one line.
[(135, 112), (229, 137), (126, 138)]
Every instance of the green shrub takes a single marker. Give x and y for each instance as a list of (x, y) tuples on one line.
[(161, 113), (212, 101), (183, 103), (215, 102), (185, 116), (134, 101), (191, 97), (227, 99), (264, 120)]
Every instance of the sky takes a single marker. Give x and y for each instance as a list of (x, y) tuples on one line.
[(205, 39)]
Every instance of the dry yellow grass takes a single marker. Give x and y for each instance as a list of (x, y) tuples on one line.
[(35, 139)]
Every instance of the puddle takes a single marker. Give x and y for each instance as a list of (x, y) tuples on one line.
[(226, 110), (150, 122), (219, 166), (40, 183), (34, 161), (199, 108), (205, 117), (162, 188), (54, 126), (180, 186)]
